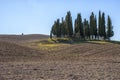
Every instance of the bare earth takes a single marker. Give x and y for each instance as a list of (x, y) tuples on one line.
[(29, 60)]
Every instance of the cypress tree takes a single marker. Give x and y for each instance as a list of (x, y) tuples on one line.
[(69, 26), (58, 28), (110, 32), (86, 29), (63, 28), (99, 25), (95, 27), (51, 34), (54, 27), (79, 26), (103, 27), (75, 28), (92, 25)]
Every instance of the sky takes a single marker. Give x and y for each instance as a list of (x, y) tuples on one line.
[(38, 16)]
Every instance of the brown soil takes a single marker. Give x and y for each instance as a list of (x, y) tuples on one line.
[(83, 61)]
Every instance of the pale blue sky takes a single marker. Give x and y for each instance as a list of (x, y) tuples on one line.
[(37, 16)]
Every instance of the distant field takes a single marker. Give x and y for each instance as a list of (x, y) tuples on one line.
[(18, 38), (37, 58)]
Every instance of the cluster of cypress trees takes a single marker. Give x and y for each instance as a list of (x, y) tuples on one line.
[(86, 30)]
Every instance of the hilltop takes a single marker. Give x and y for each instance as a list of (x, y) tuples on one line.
[(20, 38)]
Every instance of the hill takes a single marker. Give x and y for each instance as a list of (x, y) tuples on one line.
[(29, 48), (41, 59)]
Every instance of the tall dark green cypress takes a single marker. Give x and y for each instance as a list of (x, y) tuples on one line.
[(63, 28), (58, 28), (103, 27), (99, 25), (84, 23), (86, 29), (110, 32), (69, 25), (75, 28), (95, 28), (54, 29), (92, 25), (51, 34), (79, 25)]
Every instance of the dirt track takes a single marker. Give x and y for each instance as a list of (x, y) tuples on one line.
[(84, 61)]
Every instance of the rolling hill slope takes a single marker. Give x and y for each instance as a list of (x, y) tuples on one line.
[(41, 60), (90, 51), (31, 49)]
